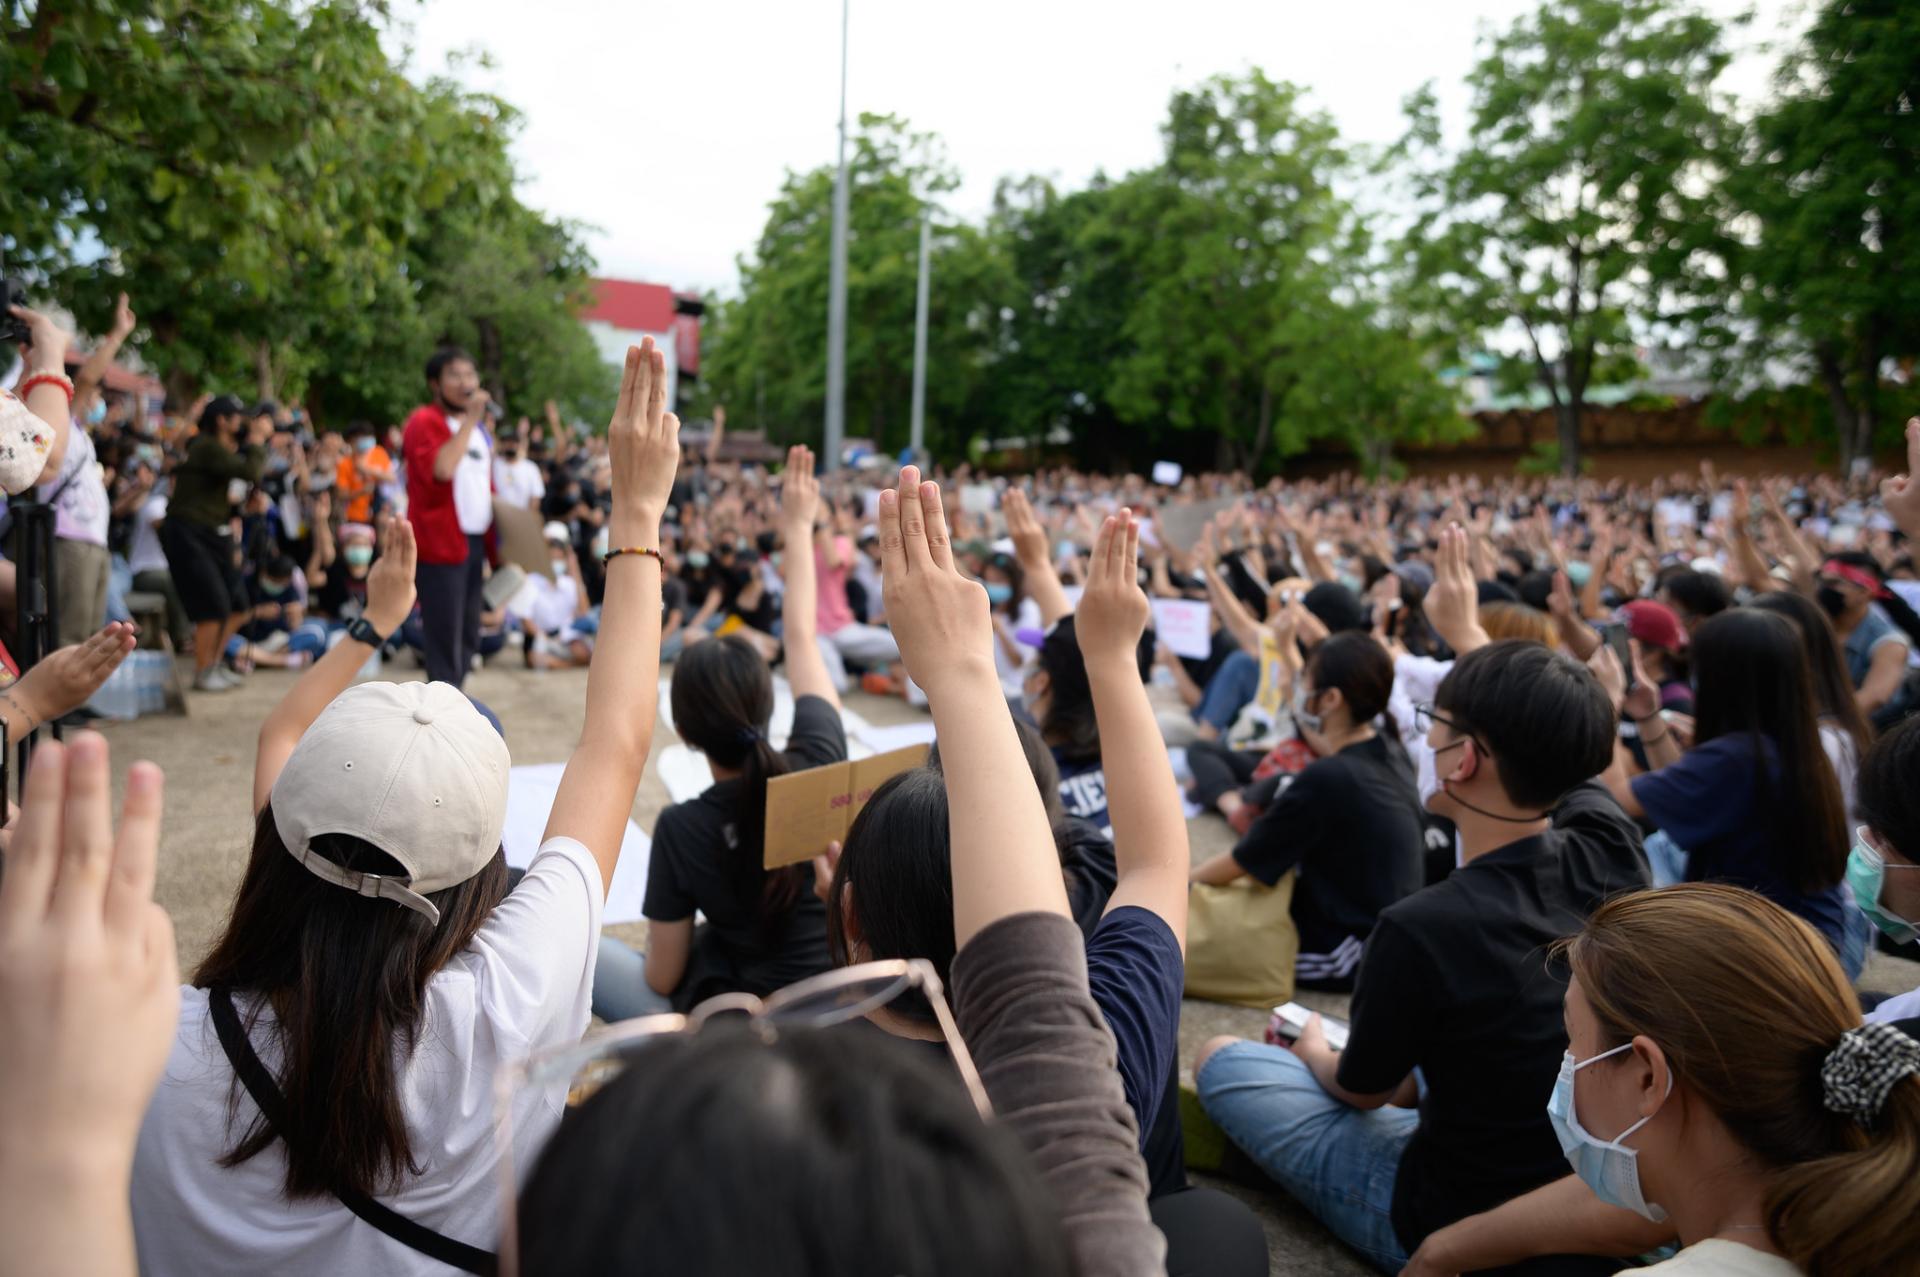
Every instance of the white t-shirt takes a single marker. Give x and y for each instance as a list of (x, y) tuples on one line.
[(518, 483), (524, 984), (1012, 672), (1716, 1257), (82, 511), (145, 554), (1845, 757), (473, 485)]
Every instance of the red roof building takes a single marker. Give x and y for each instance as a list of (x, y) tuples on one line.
[(623, 311)]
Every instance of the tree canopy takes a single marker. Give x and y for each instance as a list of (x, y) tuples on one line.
[(292, 214)]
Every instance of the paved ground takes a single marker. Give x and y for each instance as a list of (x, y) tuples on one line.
[(209, 762)]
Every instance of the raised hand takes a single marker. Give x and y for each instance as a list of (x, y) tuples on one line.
[(799, 492), (1900, 493), (89, 995), (68, 678), (390, 586), (1453, 603), (939, 617), (1114, 611), (1029, 539), (124, 320), (644, 442)]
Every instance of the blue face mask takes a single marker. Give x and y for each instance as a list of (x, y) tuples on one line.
[(363, 444), (697, 559), (999, 592), (97, 413), (358, 556), (273, 589), (1867, 879), (1608, 1167)]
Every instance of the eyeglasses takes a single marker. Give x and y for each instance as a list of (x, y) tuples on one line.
[(581, 1069), (1424, 717)]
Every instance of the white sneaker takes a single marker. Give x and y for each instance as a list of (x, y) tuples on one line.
[(210, 680), (230, 676)]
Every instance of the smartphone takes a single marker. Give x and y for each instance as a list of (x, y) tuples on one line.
[(1289, 1020), (1617, 638)]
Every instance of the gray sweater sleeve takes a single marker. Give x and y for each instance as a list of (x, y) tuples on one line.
[(1047, 1058)]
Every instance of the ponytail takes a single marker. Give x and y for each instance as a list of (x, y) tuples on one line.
[(1856, 1213), (778, 890), (722, 699), (1759, 1024)]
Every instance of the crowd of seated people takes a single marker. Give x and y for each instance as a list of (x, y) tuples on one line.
[(1599, 939)]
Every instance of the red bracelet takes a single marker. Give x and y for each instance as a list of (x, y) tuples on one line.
[(611, 555), (50, 378)]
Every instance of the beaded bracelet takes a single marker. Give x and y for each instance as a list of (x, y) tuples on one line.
[(611, 555), (49, 378)]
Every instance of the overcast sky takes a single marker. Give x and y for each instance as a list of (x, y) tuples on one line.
[(668, 127)]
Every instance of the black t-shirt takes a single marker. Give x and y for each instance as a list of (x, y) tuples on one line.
[(1455, 982), (673, 598), (342, 597), (688, 871), (1351, 823)]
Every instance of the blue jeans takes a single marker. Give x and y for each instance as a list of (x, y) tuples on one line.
[(1337, 1161), (1230, 690), (620, 989)]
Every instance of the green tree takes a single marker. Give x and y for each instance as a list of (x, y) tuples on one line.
[(1831, 191), (1070, 284), (766, 353), (1367, 373), (291, 214), (1224, 238), (1586, 194)]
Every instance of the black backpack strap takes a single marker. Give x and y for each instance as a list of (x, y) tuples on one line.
[(266, 1093)]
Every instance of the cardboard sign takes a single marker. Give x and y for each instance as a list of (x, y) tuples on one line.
[(1185, 626), (1167, 473), (519, 531), (809, 809), (1181, 525)]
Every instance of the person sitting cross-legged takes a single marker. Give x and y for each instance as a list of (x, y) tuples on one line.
[(1455, 1008)]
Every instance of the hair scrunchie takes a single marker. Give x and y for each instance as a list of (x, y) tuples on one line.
[(1863, 1068)]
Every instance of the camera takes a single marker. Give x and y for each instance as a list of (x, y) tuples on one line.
[(12, 293)]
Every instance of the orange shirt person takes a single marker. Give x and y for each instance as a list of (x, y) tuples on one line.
[(360, 474)]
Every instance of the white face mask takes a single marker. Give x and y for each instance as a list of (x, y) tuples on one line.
[(1608, 1167), (1307, 722)]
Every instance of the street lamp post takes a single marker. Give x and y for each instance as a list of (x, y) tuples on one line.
[(919, 438), (836, 425)]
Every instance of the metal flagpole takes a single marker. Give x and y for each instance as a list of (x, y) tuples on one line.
[(837, 281), (919, 437)]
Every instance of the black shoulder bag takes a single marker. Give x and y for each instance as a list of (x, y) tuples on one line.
[(266, 1093)]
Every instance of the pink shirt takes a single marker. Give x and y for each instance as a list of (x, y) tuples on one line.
[(832, 612)]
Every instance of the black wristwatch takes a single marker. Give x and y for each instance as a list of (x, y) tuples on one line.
[(361, 632)]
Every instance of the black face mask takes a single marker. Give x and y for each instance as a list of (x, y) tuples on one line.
[(1831, 601)]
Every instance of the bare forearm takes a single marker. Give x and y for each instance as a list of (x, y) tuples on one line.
[(1562, 1218), (800, 613), (1217, 871), (61, 1216), (1003, 856), (1149, 825), (447, 460)]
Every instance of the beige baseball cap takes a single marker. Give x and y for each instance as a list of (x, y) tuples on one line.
[(412, 768)]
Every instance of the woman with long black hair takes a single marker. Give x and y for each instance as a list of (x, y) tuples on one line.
[(1844, 731), (764, 928), (328, 1104), (1754, 802)]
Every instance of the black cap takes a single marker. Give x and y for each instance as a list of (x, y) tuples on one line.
[(221, 406), (265, 408)]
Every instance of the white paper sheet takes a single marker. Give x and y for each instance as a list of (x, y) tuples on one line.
[(530, 794), (1185, 626)]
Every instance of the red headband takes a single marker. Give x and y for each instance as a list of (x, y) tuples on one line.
[(1859, 576)]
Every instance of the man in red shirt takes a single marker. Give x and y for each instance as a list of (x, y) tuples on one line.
[(449, 459)]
